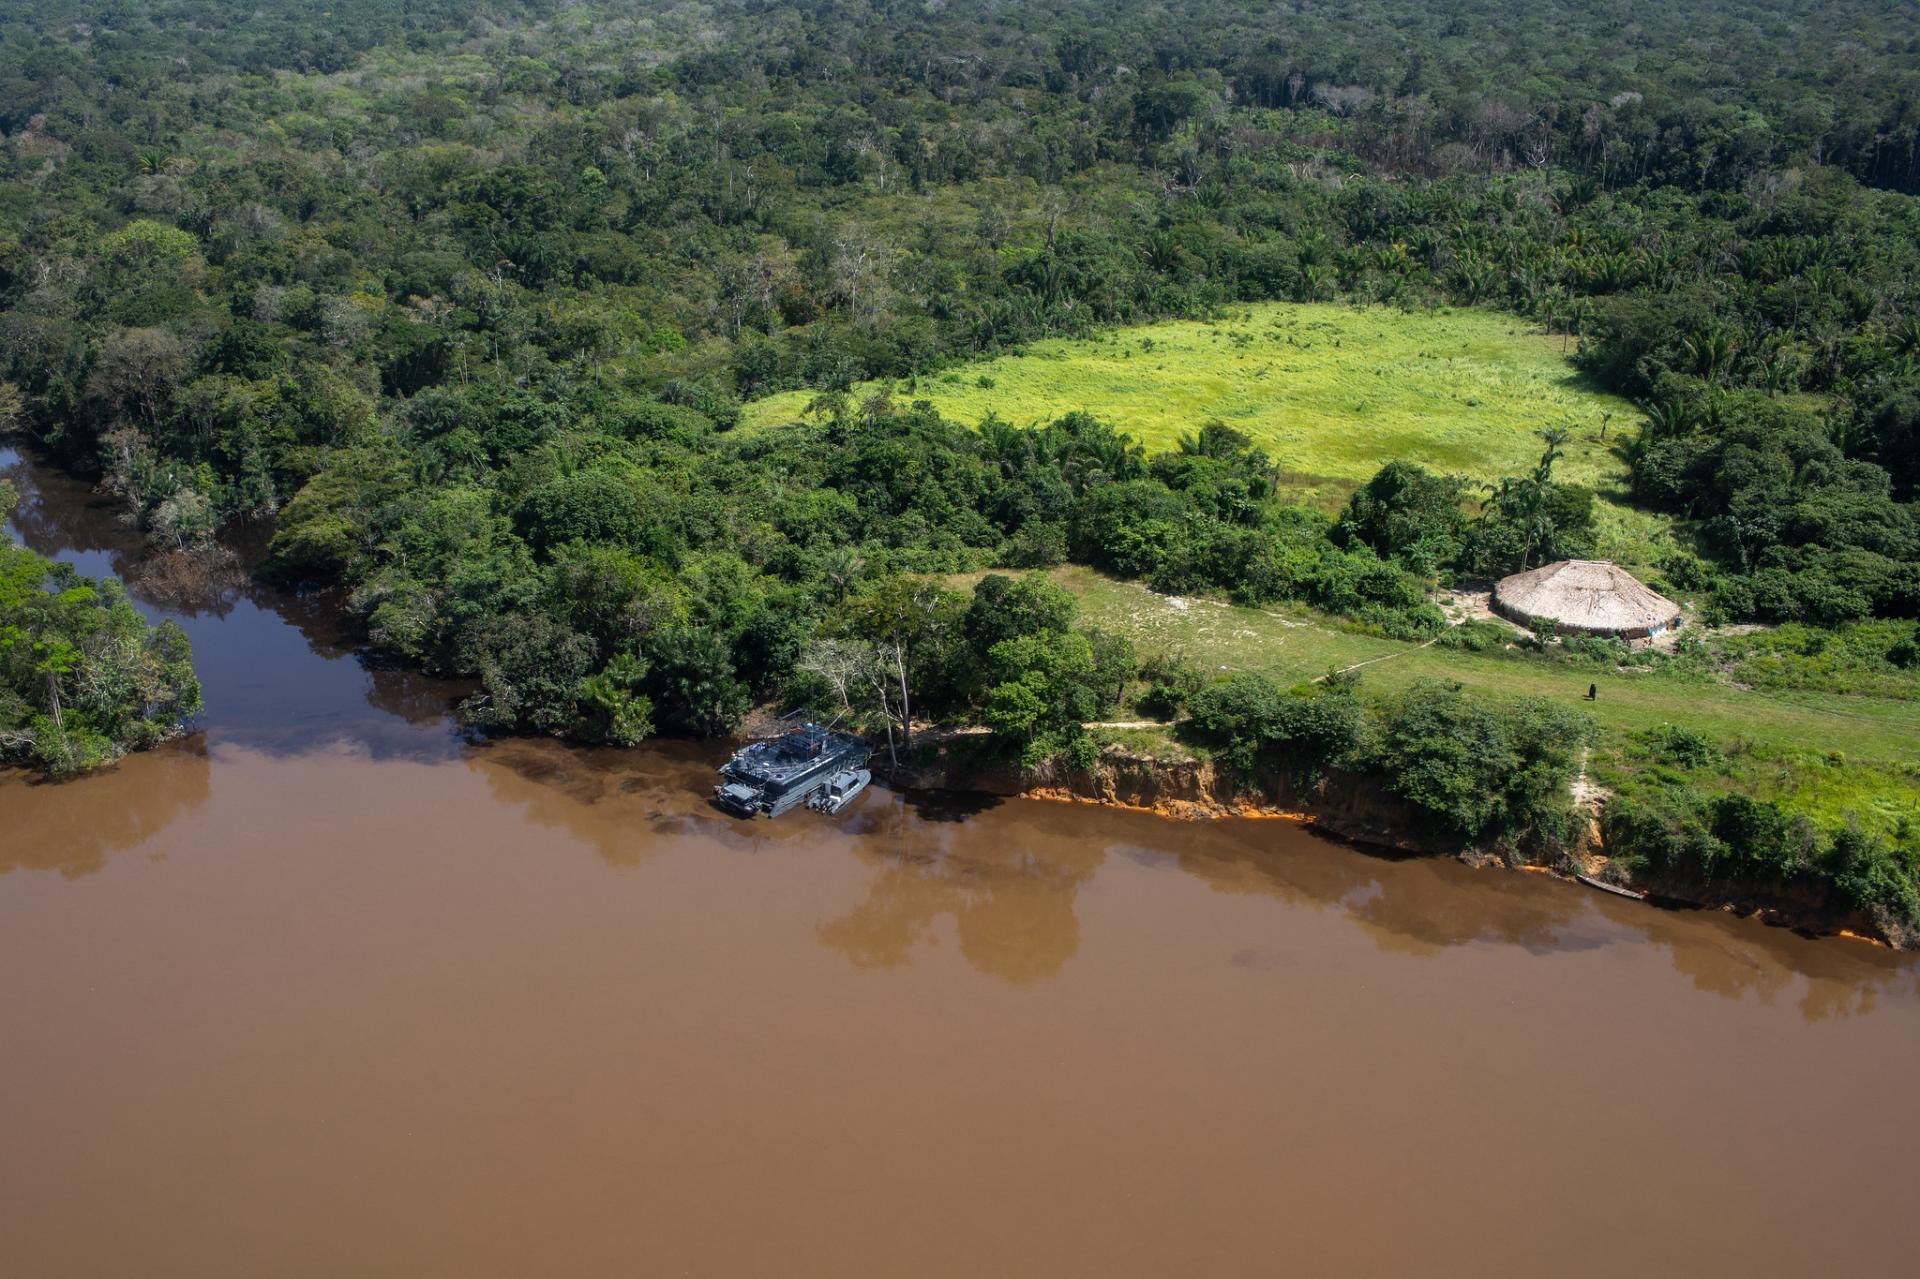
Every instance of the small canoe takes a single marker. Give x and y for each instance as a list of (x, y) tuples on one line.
[(1615, 889)]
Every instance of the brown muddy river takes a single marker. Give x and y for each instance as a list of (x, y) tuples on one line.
[(326, 990)]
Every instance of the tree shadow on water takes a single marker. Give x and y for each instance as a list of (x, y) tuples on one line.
[(1425, 905), (1007, 890), (72, 827), (1407, 903), (949, 805), (622, 803)]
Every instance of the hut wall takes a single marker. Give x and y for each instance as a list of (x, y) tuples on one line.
[(1557, 627)]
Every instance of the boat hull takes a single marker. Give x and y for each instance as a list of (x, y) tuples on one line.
[(780, 774)]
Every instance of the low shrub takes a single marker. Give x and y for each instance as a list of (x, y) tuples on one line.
[(1683, 747), (1172, 682), (1477, 635), (1249, 718)]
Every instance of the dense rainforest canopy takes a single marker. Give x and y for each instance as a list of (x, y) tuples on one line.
[(464, 303)]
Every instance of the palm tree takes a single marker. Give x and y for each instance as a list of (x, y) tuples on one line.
[(1120, 457), (1906, 335), (1163, 252), (1669, 418), (1005, 443), (1556, 438), (841, 570), (1711, 352)]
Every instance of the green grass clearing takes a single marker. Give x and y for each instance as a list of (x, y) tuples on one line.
[(1330, 391)]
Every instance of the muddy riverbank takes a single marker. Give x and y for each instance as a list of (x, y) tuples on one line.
[(1354, 808)]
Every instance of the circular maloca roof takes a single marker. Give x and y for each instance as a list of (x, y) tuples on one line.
[(1595, 596)]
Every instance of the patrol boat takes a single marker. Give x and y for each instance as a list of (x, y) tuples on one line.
[(838, 791), (783, 772)]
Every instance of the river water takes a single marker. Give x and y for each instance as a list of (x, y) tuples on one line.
[(327, 990)]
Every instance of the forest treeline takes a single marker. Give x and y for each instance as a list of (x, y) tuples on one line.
[(1703, 93), (465, 306), (235, 251)]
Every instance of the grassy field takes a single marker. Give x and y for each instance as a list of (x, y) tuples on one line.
[(1826, 755), (1330, 391)]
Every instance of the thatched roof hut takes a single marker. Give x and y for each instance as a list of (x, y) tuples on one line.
[(1592, 597)]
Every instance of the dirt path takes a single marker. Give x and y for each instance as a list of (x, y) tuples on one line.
[(1384, 657)]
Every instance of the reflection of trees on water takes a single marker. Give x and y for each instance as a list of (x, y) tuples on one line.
[(1009, 881), (206, 582), (319, 616), (72, 827), (619, 802), (408, 695), (59, 516), (1409, 905), (1423, 905), (1735, 958), (1009, 890)]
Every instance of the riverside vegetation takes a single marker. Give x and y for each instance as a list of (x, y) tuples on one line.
[(471, 311), (1811, 728), (83, 678)]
